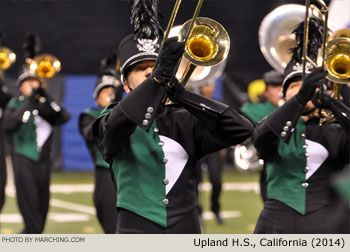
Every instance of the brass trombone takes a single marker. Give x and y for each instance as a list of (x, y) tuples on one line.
[(45, 66), (334, 56), (7, 58), (206, 42)]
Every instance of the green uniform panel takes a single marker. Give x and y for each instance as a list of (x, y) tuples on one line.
[(285, 171), (25, 136)]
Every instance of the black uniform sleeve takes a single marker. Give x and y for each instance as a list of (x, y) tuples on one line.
[(5, 96), (112, 131), (231, 128), (141, 105), (85, 127), (218, 125), (340, 111), (52, 111), (277, 126), (15, 117)]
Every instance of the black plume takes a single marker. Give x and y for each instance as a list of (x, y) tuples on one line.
[(0, 39), (31, 46), (144, 17), (314, 40), (108, 64)]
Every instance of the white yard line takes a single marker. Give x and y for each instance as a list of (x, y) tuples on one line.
[(73, 206)]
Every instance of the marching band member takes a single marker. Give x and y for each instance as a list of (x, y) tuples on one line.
[(301, 156), (29, 119), (104, 191), (152, 147)]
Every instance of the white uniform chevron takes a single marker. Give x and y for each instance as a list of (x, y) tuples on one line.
[(177, 158), (318, 154)]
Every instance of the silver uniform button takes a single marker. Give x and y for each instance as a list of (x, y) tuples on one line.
[(165, 201), (43, 99), (302, 134), (283, 134), (35, 112), (161, 143), (307, 154), (164, 161), (21, 98), (305, 146), (166, 181), (145, 122), (26, 116), (289, 123), (149, 109), (285, 128), (156, 130), (148, 116), (306, 169), (305, 185)]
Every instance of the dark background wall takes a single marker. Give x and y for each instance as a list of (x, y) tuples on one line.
[(80, 32)]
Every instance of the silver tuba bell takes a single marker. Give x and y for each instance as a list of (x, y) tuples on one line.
[(275, 34), (275, 39)]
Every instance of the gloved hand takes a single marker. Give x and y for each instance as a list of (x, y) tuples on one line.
[(311, 82), (321, 100), (168, 58), (36, 93)]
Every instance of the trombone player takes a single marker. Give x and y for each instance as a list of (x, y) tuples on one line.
[(152, 147), (301, 156), (29, 120)]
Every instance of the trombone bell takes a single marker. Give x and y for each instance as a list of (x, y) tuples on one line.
[(7, 58), (208, 44), (338, 60), (45, 65)]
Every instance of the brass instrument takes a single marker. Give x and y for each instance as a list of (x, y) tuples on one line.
[(202, 74), (45, 66), (275, 34), (334, 55), (206, 42), (275, 40), (7, 58)]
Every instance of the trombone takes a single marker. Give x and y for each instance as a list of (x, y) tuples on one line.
[(206, 42), (45, 66), (7, 58), (334, 56)]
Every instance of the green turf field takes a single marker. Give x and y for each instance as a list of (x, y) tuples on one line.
[(71, 207)]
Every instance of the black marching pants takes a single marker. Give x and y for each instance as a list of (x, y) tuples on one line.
[(131, 223), (33, 193), (105, 200), (213, 163), (278, 218)]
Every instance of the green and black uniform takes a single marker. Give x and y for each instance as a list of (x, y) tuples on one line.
[(301, 158), (256, 112), (104, 192), (30, 124), (153, 149)]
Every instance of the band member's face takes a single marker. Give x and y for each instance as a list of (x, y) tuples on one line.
[(28, 85), (293, 89), (138, 74), (207, 90), (273, 93), (105, 96)]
